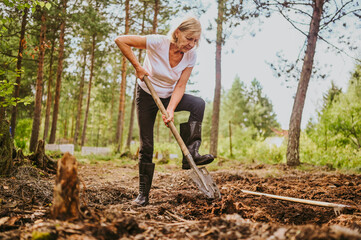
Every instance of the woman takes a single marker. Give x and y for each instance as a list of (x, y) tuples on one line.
[(168, 64)]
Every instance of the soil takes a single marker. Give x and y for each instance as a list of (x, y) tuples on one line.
[(178, 210)]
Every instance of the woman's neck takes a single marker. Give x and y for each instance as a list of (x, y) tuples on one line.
[(175, 49)]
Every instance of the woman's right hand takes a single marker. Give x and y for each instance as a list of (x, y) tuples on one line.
[(141, 72)]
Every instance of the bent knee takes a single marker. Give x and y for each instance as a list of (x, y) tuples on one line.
[(200, 103)]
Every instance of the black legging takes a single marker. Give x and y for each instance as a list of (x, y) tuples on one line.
[(147, 112)]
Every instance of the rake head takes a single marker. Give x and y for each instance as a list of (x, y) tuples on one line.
[(337, 210)]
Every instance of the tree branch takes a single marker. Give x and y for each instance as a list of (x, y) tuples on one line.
[(339, 49), (288, 20)]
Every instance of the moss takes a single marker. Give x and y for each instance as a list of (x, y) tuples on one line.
[(42, 235)]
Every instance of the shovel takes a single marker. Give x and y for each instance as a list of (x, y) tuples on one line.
[(200, 176)]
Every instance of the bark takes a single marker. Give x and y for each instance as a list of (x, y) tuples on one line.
[(132, 110), (293, 158), (49, 95), (39, 155), (217, 91), (6, 148), (58, 75), (66, 122), (98, 131), (110, 127), (155, 17), (22, 43), (39, 87), (66, 189), (73, 114), (80, 102), (123, 85), (2, 109), (131, 121), (89, 91)]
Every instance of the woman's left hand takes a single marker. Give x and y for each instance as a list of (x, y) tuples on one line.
[(170, 117)]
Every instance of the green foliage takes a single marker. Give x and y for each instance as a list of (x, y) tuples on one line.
[(335, 157), (23, 132), (6, 91), (249, 108), (235, 102), (335, 139), (339, 122), (248, 148)]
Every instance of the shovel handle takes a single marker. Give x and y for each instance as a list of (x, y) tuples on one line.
[(164, 112), (175, 132), (176, 135)]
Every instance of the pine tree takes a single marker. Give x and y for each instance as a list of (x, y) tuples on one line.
[(59, 73), (39, 86)]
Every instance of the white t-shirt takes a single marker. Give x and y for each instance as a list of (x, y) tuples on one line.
[(162, 76)]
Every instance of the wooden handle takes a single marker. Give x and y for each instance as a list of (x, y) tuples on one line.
[(164, 112), (299, 200), (176, 135)]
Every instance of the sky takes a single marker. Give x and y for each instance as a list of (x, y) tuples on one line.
[(247, 56)]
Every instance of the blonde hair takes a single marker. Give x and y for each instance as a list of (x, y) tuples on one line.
[(189, 25)]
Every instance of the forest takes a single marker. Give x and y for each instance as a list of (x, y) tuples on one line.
[(64, 84)]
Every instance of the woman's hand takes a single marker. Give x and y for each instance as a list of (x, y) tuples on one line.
[(141, 72), (170, 117)]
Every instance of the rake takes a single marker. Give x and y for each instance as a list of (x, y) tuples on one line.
[(337, 208)]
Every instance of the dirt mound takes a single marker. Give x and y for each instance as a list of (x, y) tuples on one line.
[(178, 210)]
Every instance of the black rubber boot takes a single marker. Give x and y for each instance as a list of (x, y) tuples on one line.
[(146, 171), (191, 133)]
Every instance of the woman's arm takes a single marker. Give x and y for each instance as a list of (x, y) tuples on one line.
[(177, 94), (125, 43)]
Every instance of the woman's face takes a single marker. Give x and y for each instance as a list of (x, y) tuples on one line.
[(186, 41)]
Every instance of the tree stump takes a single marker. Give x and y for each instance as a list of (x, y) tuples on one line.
[(6, 148), (42, 160), (39, 155), (66, 190)]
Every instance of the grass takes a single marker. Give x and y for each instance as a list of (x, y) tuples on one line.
[(244, 152)]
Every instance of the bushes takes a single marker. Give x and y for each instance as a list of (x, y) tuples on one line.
[(248, 147), (337, 157), (22, 133)]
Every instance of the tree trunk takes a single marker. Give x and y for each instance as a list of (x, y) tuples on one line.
[(111, 111), (131, 121), (2, 109), (293, 158), (49, 95), (123, 85), (80, 102), (39, 87), (155, 17), (73, 114), (22, 43), (58, 75), (217, 91), (6, 148), (98, 132), (132, 110), (66, 122), (89, 91)]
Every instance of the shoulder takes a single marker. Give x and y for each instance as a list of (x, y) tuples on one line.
[(155, 39)]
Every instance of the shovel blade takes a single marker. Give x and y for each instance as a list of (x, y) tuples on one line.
[(205, 183)]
